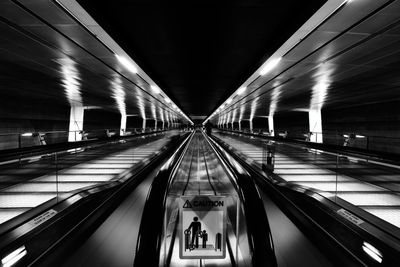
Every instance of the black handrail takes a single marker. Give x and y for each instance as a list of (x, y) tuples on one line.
[(350, 151), (341, 240), (79, 211), (151, 226), (10, 154), (258, 229)]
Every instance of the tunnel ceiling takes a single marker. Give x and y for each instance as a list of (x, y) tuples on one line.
[(48, 59), (200, 52), (349, 59)]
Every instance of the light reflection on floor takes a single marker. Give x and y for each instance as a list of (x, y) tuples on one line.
[(311, 169), (19, 198)]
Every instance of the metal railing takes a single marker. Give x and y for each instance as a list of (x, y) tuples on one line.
[(26, 139), (47, 174)]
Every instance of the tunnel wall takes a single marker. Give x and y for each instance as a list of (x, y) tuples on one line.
[(134, 122), (295, 123), (245, 124), (22, 116), (380, 123), (159, 124), (96, 120), (150, 123), (260, 123)]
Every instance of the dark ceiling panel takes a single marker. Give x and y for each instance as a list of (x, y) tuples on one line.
[(331, 68), (199, 52), (47, 57)]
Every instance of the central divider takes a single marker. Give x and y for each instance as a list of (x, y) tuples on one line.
[(254, 241), (150, 231)]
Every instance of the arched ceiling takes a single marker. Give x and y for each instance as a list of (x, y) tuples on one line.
[(199, 52)]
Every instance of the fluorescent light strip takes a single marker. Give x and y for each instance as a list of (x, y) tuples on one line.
[(155, 89), (241, 90), (127, 64), (284, 48), (73, 8), (270, 65)]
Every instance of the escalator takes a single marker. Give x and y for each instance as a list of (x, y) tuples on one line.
[(354, 201), (204, 171), (369, 186), (200, 173), (90, 183), (143, 229), (37, 182)]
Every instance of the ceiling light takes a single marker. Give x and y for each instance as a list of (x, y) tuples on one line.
[(228, 101), (241, 90), (167, 100), (127, 64), (270, 65), (155, 89)]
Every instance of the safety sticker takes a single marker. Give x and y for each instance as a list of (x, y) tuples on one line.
[(202, 227)]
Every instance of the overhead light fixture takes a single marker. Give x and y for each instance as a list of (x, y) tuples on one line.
[(155, 89), (167, 100), (127, 64), (270, 65), (229, 101), (241, 90), (27, 134)]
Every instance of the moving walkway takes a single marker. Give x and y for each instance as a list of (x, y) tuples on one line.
[(85, 178), (356, 193), (49, 176), (141, 226)]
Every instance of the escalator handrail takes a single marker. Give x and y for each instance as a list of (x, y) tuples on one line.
[(17, 153), (151, 227), (334, 228), (389, 158), (258, 229), (22, 218), (106, 194)]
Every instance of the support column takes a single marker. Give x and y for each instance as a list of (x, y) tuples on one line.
[(271, 126), (163, 125), (122, 128), (75, 124), (144, 125), (251, 125), (240, 125), (155, 124), (315, 123)]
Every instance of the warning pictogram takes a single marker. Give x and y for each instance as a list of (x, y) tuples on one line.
[(202, 227), (187, 204)]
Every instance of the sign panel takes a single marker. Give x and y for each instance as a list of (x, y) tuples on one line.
[(350, 216), (202, 227), (42, 217)]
